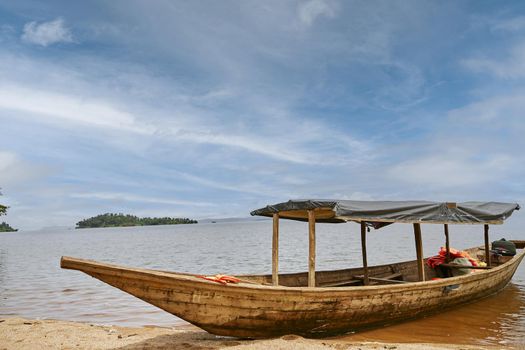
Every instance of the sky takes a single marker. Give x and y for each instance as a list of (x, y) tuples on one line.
[(210, 109)]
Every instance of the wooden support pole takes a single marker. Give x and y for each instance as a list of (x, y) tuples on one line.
[(419, 252), (311, 246), (275, 250), (366, 279), (487, 249), (447, 243)]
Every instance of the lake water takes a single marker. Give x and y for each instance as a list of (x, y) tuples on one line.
[(32, 284)]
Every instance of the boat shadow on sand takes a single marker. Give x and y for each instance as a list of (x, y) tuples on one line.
[(192, 340)]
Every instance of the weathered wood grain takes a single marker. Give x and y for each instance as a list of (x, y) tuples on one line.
[(419, 252), (363, 252), (275, 250), (487, 248), (447, 242), (311, 248), (260, 311)]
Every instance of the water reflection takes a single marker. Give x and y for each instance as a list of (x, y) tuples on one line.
[(498, 319), (32, 284), (3, 273)]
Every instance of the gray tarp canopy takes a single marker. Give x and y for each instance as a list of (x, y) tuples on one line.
[(377, 212)]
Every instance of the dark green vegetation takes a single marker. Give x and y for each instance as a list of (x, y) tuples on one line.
[(4, 227), (116, 220)]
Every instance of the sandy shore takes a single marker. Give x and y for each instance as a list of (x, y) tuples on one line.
[(19, 333)]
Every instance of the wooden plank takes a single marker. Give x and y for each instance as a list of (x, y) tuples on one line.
[(311, 250), (520, 244), (320, 213), (392, 276), (487, 249), (379, 279), (419, 252), (386, 280), (275, 250), (363, 252), (343, 283), (447, 243)]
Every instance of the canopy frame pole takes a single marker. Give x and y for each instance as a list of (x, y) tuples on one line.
[(275, 250), (311, 248), (487, 250), (366, 280), (447, 243), (419, 252)]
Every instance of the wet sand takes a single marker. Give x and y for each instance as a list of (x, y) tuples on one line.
[(19, 333)]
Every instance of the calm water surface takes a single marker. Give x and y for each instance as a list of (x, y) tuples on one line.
[(32, 285)]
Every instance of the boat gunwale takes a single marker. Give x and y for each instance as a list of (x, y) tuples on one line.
[(193, 278)]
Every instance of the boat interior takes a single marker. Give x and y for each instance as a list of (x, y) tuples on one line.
[(396, 273)]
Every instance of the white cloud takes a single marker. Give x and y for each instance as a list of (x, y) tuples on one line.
[(499, 111), (47, 33), (126, 197), (6, 32), (7, 160), (230, 103), (512, 66), (477, 150), (16, 172), (68, 108), (290, 142), (249, 143), (309, 11), (514, 24), (250, 188), (357, 196), (451, 170)]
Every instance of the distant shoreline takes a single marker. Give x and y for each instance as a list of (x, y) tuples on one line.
[(127, 220), (138, 225)]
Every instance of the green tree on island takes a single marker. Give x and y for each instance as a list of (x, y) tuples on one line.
[(118, 220), (4, 227)]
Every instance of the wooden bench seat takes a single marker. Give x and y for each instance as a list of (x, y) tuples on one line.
[(352, 282), (392, 279), (358, 280), (394, 276)]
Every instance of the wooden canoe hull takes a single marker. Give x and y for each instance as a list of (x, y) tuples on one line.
[(260, 311)]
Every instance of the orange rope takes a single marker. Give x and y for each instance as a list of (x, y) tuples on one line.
[(222, 279)]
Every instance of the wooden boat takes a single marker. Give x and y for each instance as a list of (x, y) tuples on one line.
[(323, 303)]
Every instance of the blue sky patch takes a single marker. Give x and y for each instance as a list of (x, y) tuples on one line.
[(211, 109)]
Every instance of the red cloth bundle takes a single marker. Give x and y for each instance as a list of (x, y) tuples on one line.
[(222, 279), (442, 255)]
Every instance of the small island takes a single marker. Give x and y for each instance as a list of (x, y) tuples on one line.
[(4, 227), (125, 220)]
